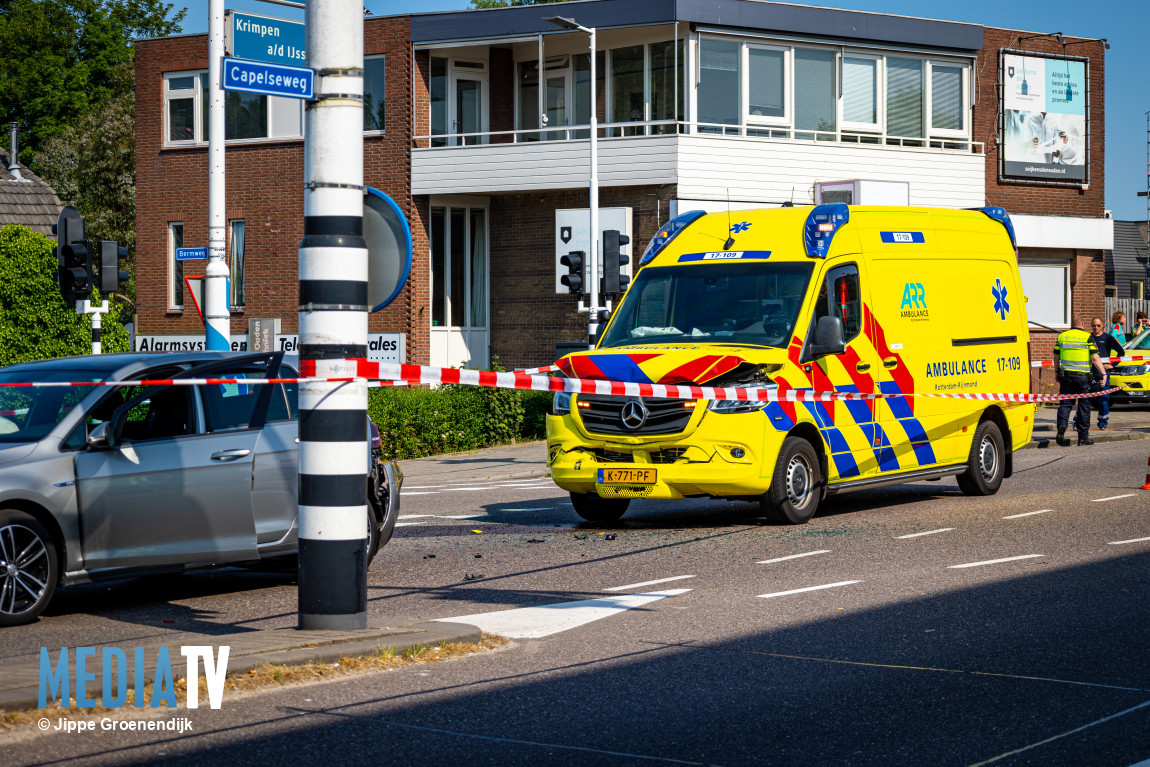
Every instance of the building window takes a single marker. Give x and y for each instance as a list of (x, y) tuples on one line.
[(373, 93), (766, 84), (860, 93), (246, 115), (175, 268), (237, 263), (1138, 290), (814, 94), (438, 95), (947, 116), (459, 257), (666, 83), (720, 81), (905, 95), (1047, 290), (628, 97)]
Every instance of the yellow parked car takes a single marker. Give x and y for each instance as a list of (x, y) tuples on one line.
[(850, 299), (1133, 377)]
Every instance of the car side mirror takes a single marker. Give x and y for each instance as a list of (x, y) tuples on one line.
[(828, 337), (100, 438)]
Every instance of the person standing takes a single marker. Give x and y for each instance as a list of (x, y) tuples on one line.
[(1117, 321), (1106, 346), (1074, 356)]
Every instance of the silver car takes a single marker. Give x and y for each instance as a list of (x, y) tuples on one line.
[(101, 482)]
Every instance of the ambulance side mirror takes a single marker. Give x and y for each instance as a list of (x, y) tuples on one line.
[(828, 337)]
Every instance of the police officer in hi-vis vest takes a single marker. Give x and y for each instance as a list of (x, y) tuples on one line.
[(1074, 354)]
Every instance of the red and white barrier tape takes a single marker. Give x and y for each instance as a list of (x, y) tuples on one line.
[(390, 374), (538, 371), (1111, 360)]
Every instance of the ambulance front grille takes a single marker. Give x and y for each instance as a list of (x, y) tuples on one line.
[(602, 414)]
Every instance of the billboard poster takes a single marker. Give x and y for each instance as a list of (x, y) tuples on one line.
[(1044, 118)]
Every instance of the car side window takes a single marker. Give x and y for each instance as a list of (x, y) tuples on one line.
[(284, 404), (104, 409), (166, 413), (230, 406), (840, 297)]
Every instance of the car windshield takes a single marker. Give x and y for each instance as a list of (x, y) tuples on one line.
[(749, 304), (1140, 341), (27, 414)]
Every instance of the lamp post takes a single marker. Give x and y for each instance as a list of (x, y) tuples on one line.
[(593, 252)]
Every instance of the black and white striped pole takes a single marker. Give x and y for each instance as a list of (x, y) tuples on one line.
[(333, 455)]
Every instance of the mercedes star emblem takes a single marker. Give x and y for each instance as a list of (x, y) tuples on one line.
[(634, 414)]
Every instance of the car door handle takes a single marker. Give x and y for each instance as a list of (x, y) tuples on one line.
[(862, 367), (890, 362), (230, 455)]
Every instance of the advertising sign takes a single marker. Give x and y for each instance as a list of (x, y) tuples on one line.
[(1044, 118), (262, 38)]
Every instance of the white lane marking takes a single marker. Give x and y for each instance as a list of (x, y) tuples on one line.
[(490, 487), (794, 556), (995, 561), (648, 583), (1114, 497), (442, 516), (1132, 540), (1028, 514), (536, 508), (523, 481), (928, 532), (407, 524), (536, 622), (808, 588), (408, 492), (1130, 710)]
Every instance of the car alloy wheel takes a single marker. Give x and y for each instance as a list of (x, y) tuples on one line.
[(25, 569)]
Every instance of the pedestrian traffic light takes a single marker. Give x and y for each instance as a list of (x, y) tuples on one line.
[(73, 257), (576, 277), (111, 276), (615, 281)]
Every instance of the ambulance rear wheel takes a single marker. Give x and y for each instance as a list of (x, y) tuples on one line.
[(595, 509), (796, 485), (985, 467)]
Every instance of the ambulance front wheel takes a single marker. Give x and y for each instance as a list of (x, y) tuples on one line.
[(984, 468), (796, 485), (595, 509)]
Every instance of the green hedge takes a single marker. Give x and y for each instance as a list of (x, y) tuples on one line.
[(415, 422), (34, 321)]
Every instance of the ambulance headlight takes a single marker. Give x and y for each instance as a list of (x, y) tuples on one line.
[(1132, 370), (561, 404), (739, 405)]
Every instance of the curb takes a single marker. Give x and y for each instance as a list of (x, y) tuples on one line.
[(1098, 439), (329, 649)]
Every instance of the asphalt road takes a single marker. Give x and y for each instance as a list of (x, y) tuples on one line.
[(902, 626)]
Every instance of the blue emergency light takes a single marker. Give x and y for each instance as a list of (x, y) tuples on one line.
[(1000, 215), (668, 232), (822, 223)]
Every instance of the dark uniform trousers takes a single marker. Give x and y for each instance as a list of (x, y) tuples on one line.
[(1074, 384)]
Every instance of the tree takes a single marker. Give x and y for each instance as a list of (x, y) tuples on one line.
[(61, 59), (35, 323), (510, 3)]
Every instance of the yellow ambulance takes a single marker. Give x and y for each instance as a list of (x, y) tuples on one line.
[(899, 301)]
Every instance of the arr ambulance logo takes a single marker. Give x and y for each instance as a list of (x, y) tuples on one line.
[(913, 305), (1001, 307)]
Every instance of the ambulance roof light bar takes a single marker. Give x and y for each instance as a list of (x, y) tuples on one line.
[(668, 232), (1000, 215), (822, 223)]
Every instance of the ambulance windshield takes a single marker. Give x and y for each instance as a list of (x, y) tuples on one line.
[(749, 304)]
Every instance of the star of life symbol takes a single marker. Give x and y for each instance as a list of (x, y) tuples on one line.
[(741, 227), (1001, 307)]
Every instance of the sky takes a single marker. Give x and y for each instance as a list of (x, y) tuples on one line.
[(1123, 23)]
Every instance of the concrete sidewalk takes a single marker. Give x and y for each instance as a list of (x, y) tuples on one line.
[(20, 675), (1127, 422)]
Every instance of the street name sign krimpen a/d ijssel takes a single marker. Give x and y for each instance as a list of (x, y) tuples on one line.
[(268, 79), (263, 38)]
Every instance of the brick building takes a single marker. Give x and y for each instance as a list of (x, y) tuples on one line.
[(761, 104)]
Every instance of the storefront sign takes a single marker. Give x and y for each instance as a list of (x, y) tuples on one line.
[(381, 347)]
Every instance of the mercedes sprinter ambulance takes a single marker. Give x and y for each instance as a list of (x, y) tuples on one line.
[(899, 301)]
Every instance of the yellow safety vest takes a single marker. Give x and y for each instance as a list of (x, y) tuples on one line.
[(1074, 348)]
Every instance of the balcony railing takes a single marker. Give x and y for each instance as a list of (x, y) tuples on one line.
[(625, 130)]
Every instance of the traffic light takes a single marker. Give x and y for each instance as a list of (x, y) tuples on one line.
[(576, 277), (614, 280), (73, 257), (111, 276)]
